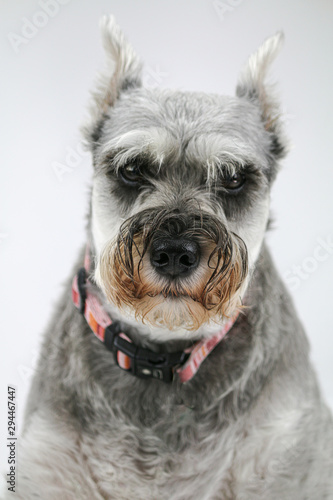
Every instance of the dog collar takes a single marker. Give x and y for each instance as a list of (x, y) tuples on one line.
[(136, 360)]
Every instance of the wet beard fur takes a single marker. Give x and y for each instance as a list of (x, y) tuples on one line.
[(211, 293)]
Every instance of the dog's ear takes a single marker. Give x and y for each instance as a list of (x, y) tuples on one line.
[(123, 71), (252, 85)]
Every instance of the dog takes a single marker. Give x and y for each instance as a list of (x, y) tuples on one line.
[(175, 366)]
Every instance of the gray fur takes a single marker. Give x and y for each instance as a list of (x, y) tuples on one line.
[(251, 424)]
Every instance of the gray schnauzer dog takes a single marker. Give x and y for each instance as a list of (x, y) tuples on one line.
[(175, 366)]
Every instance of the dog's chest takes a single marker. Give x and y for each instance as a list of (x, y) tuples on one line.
[(128, 463), (187, 458)]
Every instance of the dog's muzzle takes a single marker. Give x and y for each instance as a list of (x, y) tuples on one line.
[(174, 268)]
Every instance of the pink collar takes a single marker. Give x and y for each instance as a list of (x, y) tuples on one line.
[(139, 361)]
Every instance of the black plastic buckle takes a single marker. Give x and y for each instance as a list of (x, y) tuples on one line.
[(146, 363), (81, 284)]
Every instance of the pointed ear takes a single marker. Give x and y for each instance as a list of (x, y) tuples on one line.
[(122, 71), (252, 85)]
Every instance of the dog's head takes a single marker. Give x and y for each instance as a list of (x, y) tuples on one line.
[(180, 199)]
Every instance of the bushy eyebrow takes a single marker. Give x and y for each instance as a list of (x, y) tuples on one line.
[(114, 160), (221, 156), (151, 145), (227, 166)]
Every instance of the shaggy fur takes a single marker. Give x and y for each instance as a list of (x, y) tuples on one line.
[(251, 424)]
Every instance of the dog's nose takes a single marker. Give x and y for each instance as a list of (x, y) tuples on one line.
[(174, 257)]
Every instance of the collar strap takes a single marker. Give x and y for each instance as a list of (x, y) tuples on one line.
[(134, 359)]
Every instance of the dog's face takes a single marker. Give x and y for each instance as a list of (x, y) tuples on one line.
[(180, 199)]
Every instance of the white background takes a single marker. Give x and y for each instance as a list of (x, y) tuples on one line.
[(185, 44)]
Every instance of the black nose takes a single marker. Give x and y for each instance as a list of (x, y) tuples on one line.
[(174, 257)]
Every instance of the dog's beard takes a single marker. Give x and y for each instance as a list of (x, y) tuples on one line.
[(210, 293)]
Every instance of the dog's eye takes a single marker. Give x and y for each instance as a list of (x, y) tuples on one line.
[(130, 174), (234, 182)]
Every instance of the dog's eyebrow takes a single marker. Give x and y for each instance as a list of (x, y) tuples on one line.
[(220, 155), (153, 144)]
